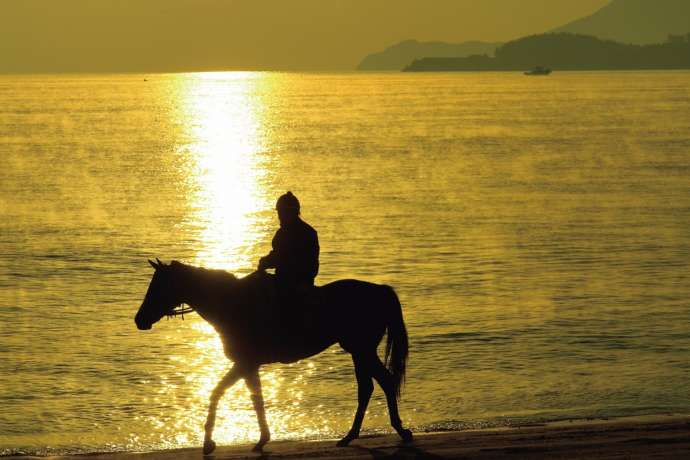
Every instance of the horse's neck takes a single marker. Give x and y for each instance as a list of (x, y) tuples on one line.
[(203, 293)]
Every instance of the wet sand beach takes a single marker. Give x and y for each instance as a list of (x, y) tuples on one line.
[(666, 437)]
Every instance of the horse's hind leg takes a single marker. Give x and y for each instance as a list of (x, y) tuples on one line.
[(385, 379), (254, 384), (364, 389), (226, 382)]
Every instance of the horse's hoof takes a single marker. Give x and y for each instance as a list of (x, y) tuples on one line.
[(209, 446), (406, 435), (345, 441), (259, 447)]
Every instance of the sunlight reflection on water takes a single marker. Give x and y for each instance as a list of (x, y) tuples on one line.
[(226, 170), (225, 174)]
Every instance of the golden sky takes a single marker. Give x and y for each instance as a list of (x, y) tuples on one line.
[(255, 34)]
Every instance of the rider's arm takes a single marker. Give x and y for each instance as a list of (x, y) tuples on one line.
[(271, 260), (267, 261)]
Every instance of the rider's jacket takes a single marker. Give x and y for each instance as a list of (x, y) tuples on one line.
[(295, 254)]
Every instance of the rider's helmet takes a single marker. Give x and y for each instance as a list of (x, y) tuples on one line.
[(288, 204)]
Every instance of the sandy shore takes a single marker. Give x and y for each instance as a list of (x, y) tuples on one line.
[(666, 437)]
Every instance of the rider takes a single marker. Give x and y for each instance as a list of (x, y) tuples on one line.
[(295, 254)]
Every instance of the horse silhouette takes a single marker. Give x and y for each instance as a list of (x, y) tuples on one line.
[(355, 314)]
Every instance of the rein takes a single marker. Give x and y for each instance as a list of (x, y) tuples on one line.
[(179, 310)]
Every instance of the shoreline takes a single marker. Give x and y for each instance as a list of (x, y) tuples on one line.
[(658, 437)]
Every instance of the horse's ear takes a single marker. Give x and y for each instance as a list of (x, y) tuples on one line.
[(160, 264), (153, 264)]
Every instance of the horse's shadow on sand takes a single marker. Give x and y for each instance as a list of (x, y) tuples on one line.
[(403, 451)]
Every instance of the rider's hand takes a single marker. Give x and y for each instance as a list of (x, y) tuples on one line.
[(262, 264)]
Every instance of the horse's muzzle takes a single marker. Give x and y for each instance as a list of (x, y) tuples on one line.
[(144, 327), (142, 323)]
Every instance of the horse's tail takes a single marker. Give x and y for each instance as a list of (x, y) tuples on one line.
[(396, 343)]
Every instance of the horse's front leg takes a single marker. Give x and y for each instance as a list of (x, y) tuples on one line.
[(254, 384), (226, 382)]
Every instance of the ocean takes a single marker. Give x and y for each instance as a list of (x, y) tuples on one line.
[(537, 231)]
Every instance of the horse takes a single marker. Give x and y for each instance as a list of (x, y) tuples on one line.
[(354, 314)]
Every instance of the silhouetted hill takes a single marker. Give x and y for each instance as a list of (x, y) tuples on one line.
[(569, 52), (635, 21), (401, 54), (181, 35)]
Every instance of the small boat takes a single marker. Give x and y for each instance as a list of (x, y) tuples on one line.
[(539, 70)]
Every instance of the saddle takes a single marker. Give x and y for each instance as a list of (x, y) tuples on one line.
[(280, 309)]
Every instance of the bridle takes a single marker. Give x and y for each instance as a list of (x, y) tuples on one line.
[(176, 310), (179, 310)]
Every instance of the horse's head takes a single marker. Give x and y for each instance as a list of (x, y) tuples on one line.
[(161, 298)]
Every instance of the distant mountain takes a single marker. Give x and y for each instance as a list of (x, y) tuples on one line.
[(562, 51), (401, 54), (635, 21)]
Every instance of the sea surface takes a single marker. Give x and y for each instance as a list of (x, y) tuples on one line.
[(537, 231)]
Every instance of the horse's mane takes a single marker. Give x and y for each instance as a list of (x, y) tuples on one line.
[(208, 275)]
